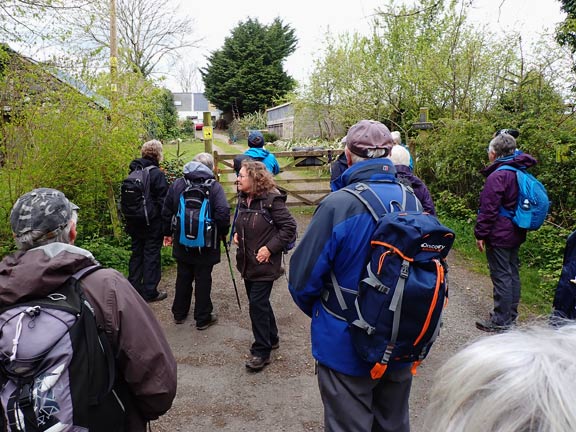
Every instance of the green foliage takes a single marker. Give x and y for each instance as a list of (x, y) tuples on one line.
[(58, 137), (247, 72), (270, 137), (173, 168), (116, 254), (187, 127), (164, 124), (108, 253)]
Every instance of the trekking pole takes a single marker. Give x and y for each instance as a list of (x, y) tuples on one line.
[(232, 273)]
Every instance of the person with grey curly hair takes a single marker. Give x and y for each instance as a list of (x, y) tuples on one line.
[(518, 381), (496, 233), (144, 268)]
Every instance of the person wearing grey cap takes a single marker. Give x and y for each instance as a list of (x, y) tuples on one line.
[(144, 268), (336, 247), (194, 265), (43, 222)]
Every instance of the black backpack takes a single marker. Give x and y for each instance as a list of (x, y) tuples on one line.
[(57, 369), (135, 201), (195, 225)]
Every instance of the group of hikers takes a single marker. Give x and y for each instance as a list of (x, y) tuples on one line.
[(373, 249)]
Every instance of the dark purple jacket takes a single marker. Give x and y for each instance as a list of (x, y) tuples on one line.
[(420, 189), (500, 189)]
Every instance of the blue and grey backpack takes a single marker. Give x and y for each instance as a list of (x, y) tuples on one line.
[(57, 368), (195, 224), (533, 203), (395, 315)]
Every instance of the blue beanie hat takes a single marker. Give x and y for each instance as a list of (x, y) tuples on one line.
[(255, 139)]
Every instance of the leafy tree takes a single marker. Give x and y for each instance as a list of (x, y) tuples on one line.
[(247, 72), (566, 31), (58, 137), (164, 125)]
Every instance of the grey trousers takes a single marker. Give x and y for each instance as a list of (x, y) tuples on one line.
[(504, 272), (361, 404)]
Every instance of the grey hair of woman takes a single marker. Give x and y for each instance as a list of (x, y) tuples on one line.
[(518, 381), (503, 145), (205, 159)]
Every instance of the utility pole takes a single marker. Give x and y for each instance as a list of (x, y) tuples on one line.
[(113, 49), (112, 208)]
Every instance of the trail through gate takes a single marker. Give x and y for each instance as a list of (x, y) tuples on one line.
[(304, 175)]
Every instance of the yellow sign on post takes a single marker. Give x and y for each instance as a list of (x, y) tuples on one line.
[(207, 130)]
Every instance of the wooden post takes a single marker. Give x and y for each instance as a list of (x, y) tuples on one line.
[(112, 208), (207, 131)]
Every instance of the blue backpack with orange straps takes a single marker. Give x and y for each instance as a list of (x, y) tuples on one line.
[(397, 313)]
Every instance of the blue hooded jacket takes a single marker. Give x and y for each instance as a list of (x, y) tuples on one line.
[(265, 157), (338, 240)]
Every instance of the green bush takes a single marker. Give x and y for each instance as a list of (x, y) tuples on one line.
[(116, 254), (270, 137)]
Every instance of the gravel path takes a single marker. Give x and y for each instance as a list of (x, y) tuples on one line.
[(216, 393)]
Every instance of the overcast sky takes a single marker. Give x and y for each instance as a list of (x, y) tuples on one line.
[(312, 18)]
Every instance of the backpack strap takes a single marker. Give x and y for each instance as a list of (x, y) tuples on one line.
[(366, 195), (103, 340), (508, 213)]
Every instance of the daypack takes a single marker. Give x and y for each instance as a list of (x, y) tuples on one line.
[(194, 218), (136, 203), (565, 295), (56, 366), (533, 203), (395, 315), (266, 211)]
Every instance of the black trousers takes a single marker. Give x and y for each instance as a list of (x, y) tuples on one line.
[(262, 316), (144, 268), (504, 267), (187, 275)]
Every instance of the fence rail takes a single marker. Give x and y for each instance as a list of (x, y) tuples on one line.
[(304, 175)]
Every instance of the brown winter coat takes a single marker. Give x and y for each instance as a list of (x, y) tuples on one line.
[(266, 222), (143, 357)]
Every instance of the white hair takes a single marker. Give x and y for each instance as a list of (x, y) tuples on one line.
[(399, 155), (396, 137), (372, 154), (205, 159), (518, 381)]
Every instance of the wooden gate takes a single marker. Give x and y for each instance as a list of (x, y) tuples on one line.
[(304, 175)]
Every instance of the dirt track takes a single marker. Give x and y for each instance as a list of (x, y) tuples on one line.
[(216, 393)]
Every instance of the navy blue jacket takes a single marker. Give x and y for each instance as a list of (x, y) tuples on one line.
[(337, 240)]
